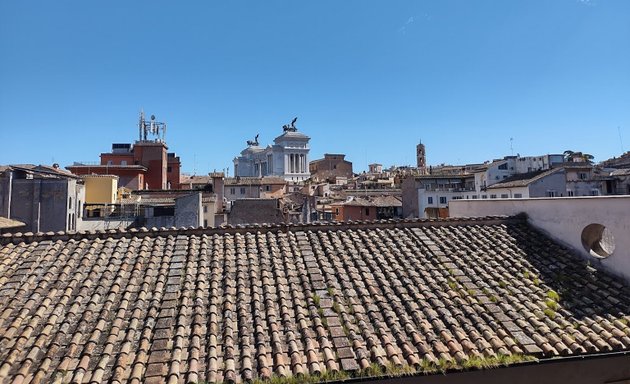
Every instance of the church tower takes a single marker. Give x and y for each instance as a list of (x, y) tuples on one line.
[(421, 157)]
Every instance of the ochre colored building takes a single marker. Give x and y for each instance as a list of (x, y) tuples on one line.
[(100, 189)]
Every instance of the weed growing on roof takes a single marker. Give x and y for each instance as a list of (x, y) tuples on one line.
[(427, 366), (494, 299), (553, 295), (336, 307), (550, 313), (333, 376), (526, 274), (444, 365), (502, 284), (331, 291), (324, 322), (536, 281), (325, 376), (451, 284), (399, 370), (471, 292), (316, 299), (392, 370), (480, 362), (623, 321), (372, 370), (551, 304)]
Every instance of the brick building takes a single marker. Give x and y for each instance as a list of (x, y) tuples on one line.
[(146, 164), (330, 167)]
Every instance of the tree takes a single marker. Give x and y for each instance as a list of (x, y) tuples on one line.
[(570, 156)]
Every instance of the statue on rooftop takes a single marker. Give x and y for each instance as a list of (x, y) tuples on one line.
[(253, 142), (290, 127)]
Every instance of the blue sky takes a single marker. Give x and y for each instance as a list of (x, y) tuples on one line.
[(365, 78)]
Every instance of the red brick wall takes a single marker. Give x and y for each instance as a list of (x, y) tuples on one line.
[(152, 156)]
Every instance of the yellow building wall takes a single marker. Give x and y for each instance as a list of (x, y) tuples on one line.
[(100, 189)]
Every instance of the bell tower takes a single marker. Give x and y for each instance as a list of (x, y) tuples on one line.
[(421, 157)]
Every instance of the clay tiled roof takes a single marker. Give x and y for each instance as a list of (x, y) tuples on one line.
[(524, 179), (6, 223), (236, 304)]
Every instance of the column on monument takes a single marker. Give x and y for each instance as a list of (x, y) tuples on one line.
[(291, 163), (304, 168), (286, 164)]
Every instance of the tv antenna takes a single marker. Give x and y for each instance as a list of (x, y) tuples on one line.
[(151, 127)]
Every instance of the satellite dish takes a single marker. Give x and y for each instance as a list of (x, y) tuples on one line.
[(152, 117)]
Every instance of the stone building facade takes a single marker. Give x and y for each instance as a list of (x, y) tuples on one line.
[(286, 158)]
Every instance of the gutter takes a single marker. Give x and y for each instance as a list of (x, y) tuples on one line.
[(426, 377)]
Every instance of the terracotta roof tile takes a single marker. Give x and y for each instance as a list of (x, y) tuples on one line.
[(238, 304)]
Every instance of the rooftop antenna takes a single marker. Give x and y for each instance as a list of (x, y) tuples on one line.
[(620, 140), (146, 127), (511, 147)]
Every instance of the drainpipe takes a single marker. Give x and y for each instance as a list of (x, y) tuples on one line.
[(10, 193)]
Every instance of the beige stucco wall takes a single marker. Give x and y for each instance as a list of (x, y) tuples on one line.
[(564, 219), (100, 189)]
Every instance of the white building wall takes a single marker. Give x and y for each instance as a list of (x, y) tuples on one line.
[(564, 219)]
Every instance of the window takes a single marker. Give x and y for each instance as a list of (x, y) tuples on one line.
[(474, 197), (552, 194), (163, 211), (484, 196), (69, 202), (430, 199), (518, 195), (570, 193), (205, 209), (442, 199), (109, 162), (267, 188), (456, 198), (504, 195), (123, 162), (205, 223), (503, 166), (336, 211), (169, 169), (233, 191), (582, 176), (493, 196), (594, 192), (367, 211), (242, 190)]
